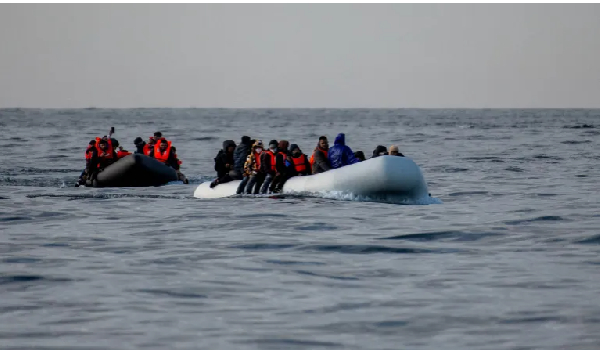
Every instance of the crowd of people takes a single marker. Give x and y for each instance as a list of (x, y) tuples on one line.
[(265, 170), (104, 151)]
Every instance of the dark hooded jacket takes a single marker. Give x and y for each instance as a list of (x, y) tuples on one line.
[(139, 145), (282, 163), (241, 153), (379, 149), (340, 155), (223, 158)]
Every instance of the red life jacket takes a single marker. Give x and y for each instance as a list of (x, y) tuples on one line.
[(270, 154), (162, 157), (257, 158), (88, 152), (300, 163), (312, 158)]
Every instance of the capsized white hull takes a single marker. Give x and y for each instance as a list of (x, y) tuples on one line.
[(385, 175)]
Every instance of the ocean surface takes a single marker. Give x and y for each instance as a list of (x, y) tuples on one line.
[(507, 259)]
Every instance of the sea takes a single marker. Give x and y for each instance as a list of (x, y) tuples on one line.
[(505, 256)]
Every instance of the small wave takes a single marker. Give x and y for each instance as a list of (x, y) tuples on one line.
[(442, 235), (514, 169), (205, 138), (539, 218), (10, 279), (103, 196), (172, 293), (468, 193), (590, 240), (582, 126), (574, 142)]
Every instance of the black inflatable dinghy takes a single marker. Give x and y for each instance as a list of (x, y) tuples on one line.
[(135, 170)]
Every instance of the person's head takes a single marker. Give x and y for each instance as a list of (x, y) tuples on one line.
[(246, 140), (380, 151), (258, 146), (138, 141), (323, 143), (295, 150), (157, 135), (273, 145), (163, 146), (92, 143), (394, 150), (359, 155), (340, 139), (229, 146), (151, 140), (103, 145), (114, 142), (283, 145)]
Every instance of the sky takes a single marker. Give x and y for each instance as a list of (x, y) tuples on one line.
[(300, 55)]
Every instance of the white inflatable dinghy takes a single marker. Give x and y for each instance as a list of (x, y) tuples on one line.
[(384, 175)]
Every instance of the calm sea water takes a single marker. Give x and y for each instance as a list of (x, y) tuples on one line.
[(510, 260)]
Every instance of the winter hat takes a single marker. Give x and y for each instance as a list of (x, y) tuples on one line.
[(293, 147), (246, 140), (273, 142), (138, 141), (258, 143)]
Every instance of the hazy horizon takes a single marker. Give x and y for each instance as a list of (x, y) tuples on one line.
[(421, 56)]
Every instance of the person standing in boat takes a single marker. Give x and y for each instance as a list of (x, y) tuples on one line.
[(240, 155), (224, 163), (394, 151), (341, 155), (267, 164), (319, 161)]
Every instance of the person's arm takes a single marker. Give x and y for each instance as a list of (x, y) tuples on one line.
[(279, 163), (173, 161), (308, 167)]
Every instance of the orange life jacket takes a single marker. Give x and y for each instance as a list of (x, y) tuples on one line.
[(108, 153), (147, 149), (122, 154), (162, 157), (300, 163), (312, 158)]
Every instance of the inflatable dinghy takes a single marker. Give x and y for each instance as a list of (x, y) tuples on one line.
[(135, 170), (384, 175)]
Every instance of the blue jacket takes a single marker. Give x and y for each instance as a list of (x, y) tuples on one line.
[(340, 155)]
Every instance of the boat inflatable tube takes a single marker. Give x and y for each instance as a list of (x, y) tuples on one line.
[(135, 170), (384, 175)]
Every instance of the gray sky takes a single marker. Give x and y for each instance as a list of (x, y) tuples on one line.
[(231, 55)]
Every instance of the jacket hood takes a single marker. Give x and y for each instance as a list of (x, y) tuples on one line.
[(283, 145), (228, 143), (378, 150), (246, 140), (293, 147), (340, 139)]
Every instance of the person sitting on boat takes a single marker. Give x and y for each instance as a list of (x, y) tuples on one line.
[(319, 162), (241, 153), (341, 155), (360, 156), (253, 176), (102, 155), (139, 145), (152, 140), (379, 151), (164, 153), (394, 151), (300, 160), (267, 164), (284, 167), (224, 163)]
